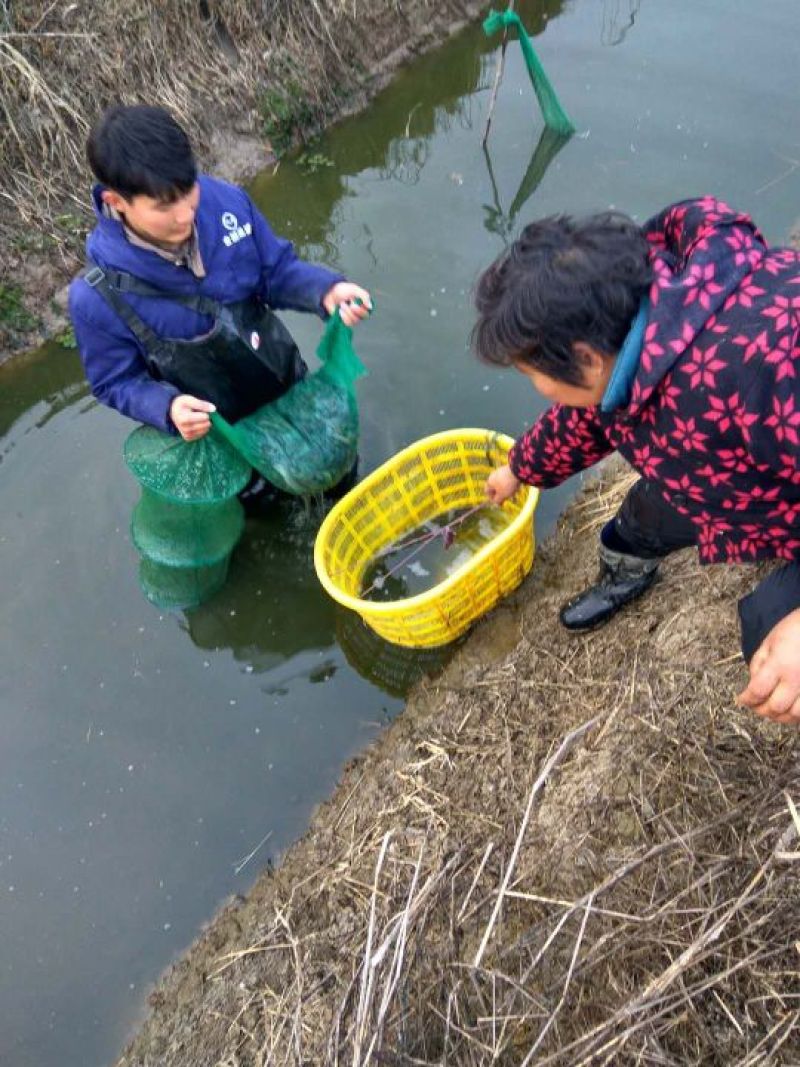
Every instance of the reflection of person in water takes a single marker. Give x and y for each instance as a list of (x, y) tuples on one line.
[(249, 615)]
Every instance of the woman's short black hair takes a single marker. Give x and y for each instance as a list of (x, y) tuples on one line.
[(141, 150), (563, 280)]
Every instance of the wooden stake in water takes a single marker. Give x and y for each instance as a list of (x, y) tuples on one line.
[(498, 77)]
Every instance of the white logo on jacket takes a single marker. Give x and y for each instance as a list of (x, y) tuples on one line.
[(237, 232)]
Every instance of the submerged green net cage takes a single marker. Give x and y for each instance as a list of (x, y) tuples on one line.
[(188, 520), (174, 534), (306, 441), (181, 588)]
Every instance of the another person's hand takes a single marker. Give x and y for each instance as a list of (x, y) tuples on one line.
[(501, 485), (343, 296), (190, 416), (774, 687)]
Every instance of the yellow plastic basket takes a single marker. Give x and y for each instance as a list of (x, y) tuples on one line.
[(447, 470)]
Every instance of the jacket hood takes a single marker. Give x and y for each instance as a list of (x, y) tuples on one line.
[(702, 250)]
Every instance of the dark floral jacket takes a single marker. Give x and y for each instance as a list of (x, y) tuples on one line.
[(714, 413)]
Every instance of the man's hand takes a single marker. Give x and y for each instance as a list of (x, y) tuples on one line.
[(190, 416), (774, 688), (501, 485), (342, 296)]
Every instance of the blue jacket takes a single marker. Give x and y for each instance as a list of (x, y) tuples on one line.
[(258, 263)]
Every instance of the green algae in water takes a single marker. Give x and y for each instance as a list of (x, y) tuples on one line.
[(429, 554)]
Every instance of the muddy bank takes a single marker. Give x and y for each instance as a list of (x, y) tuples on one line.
[(248, 79), (645, 862)]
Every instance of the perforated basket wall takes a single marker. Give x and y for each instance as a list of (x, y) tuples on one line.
[(447, 470)]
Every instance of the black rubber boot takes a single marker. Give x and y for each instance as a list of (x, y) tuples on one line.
[(622, 578), (260, 498), (337, 491)]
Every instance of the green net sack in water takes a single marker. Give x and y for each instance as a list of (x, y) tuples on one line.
[(306, 441), (188, 520)]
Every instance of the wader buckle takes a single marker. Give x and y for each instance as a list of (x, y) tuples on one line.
[(94, 276)]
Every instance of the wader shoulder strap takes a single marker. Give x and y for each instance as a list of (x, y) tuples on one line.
[(129, 283), (112, 283), (97, 279)]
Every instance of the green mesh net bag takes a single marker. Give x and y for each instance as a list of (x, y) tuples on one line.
[(188, 520), (554, 115), (306, 441), (188, 472)]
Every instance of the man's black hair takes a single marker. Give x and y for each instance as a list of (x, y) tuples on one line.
[(563, 280), (141, 150)]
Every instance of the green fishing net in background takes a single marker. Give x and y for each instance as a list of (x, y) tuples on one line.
[(306, 441), (188, 520), (554, 115)]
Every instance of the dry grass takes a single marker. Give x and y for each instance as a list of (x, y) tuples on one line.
[(580, 854), (246, 77), (256, 66)]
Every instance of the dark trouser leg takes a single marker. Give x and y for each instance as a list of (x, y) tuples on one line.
[(647, 526), (645, 529), (259, 497), (772, 600)]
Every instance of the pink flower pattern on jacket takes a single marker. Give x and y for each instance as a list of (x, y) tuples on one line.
[(714, 413)]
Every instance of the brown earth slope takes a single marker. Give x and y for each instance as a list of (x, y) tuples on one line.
[(246, 77), (487, 885)]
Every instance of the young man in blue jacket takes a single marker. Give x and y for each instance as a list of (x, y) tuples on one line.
[(175, 316)]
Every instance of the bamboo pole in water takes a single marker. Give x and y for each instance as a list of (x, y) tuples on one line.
[(498, 77)]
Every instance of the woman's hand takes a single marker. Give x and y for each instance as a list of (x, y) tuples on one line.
[(343, 296), (190, 416), (501, 485), (774, 687)]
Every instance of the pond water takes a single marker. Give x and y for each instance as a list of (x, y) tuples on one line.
[(432, 552), (145, 756)]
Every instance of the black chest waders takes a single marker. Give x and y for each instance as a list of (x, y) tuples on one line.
[(246, 360)]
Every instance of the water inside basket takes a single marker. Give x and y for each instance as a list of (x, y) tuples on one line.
[(426, 556)]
